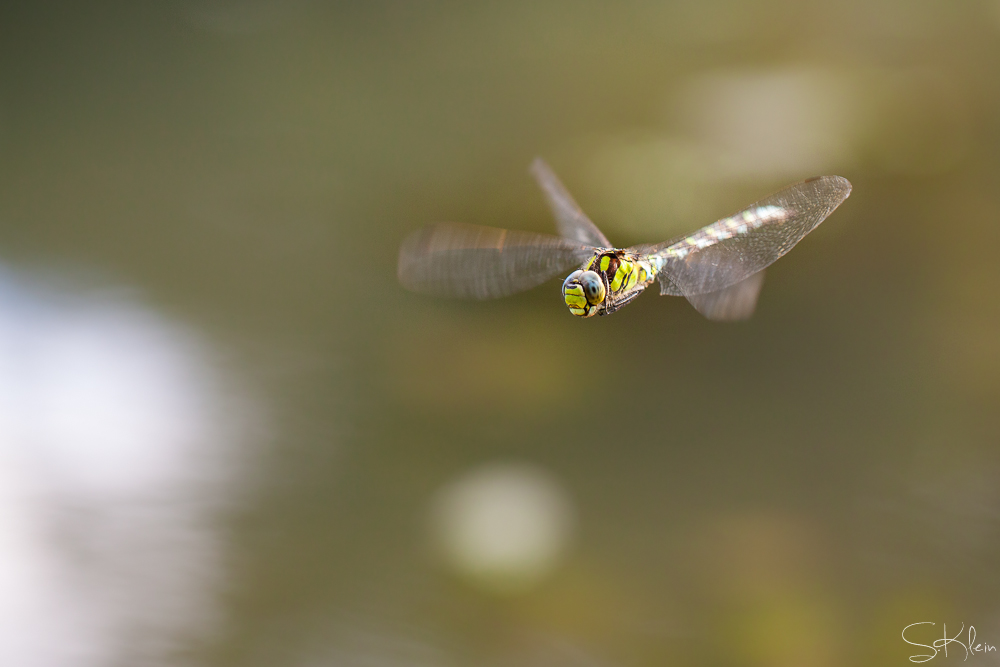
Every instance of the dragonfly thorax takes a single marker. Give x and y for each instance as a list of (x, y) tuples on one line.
[(607, 281)]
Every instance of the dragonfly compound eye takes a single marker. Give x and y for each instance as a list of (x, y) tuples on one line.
[(583, 291), (593, 287)]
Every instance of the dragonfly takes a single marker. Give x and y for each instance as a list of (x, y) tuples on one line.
[(719, 268)]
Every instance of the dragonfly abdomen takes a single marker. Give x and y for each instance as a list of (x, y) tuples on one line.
[(736, 225)]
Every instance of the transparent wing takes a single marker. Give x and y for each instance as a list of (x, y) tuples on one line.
[(452, 259), (732, 304), (572, 222), (733, 249)]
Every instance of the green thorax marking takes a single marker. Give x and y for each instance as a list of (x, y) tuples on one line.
[(625, 274)]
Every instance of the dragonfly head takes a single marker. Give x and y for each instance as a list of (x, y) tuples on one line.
[(583, 292)]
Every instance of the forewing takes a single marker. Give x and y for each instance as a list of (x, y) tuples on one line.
[(735, 248), (467, 261), (732, 304), (572, 222)]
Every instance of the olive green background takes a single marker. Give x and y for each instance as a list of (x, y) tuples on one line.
[(789, 491)]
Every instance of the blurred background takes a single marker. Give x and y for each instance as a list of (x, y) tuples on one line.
[(228, 437)]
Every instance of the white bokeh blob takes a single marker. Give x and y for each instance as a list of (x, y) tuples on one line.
[(503, 526), (115, 444)]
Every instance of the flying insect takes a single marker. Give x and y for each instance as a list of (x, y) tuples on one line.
[(718, 268)]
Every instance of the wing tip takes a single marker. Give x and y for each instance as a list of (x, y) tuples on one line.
[(846, 184), (539, 167), (735, 303), (838, 183)]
